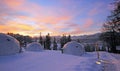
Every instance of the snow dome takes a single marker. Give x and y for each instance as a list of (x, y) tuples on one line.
[(34, 46), (73, 48), (8, 45)]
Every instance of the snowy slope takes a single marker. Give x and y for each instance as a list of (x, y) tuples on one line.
[(49, 61)]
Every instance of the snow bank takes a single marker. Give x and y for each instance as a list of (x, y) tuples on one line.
[(73, 48), (34, 46), (8, 45)]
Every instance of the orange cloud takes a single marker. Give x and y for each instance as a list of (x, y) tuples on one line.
[(15, 27), (24, 17)]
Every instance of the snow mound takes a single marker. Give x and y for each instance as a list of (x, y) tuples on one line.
[(73, 48), (34, 46), (8, 45)]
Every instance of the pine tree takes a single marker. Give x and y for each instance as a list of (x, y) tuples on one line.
[(54, 44), (44, 43), (63, 40), (69, 38), (48, 42), (111, 29), (40, 39), (27, 39)]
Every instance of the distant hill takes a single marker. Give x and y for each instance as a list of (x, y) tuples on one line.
[(87, 38), (83, 38)]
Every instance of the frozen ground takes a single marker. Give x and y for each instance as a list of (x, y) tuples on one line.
[(55, 61)]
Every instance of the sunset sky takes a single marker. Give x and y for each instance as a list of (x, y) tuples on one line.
[(57, 17)]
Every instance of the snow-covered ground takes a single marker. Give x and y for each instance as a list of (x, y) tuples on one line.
[(116, 61), (54, 61), (110, 61)]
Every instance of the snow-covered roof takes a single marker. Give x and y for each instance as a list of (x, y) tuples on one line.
[(34, 46), (8, 45), (73, 48)]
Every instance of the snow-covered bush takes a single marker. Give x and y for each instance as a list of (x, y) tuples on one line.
[(34, 46), (8, 45), (73, 48)]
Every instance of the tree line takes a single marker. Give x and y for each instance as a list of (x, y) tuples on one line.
[(46, 41)]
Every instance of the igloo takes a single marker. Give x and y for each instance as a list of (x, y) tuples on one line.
[(8, 45), (34, 46), (73, 48)]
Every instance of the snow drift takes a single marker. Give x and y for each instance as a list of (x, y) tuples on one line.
[(34, 46), (73, 48), (8, 45)]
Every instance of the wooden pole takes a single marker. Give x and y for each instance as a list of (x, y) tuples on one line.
[(97, 50)]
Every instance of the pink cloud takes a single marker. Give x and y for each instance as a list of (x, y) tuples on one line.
[(88, 23), (96, 9), (14, 3), (74, 29)]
